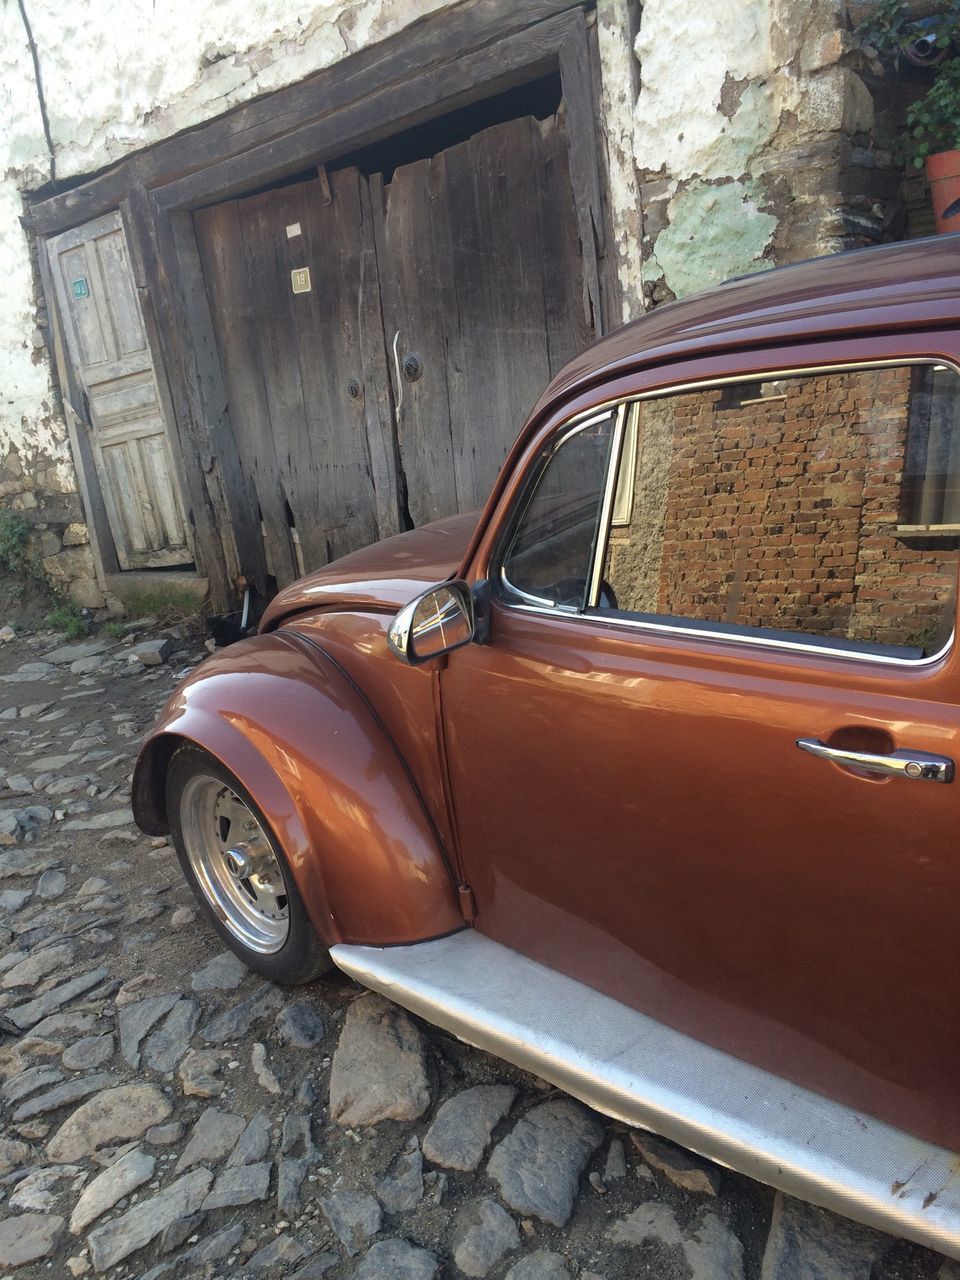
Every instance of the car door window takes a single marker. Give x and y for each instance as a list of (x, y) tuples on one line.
[(551, 548), (819, 508)]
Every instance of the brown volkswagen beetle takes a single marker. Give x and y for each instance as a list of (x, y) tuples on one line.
[(645, 779)]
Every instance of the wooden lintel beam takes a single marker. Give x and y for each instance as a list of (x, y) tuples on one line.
[(429, 42)]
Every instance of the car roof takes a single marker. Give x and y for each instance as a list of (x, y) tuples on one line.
[(905, 285)]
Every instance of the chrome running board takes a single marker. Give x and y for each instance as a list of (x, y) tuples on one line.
[(627, 1065)]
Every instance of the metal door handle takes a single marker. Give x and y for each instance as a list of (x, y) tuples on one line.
[(917, 766)]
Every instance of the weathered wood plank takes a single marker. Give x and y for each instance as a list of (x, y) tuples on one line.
[(410, 279), (390, 110), (439, 37), (235, 321), (578, 102), (337, 511), (567, 313), (165, 264), (377, 399), (494, 316)]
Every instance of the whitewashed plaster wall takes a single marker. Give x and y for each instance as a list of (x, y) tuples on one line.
[(743, 133), (734, 129)]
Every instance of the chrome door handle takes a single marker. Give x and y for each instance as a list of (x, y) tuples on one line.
[(917, 766)]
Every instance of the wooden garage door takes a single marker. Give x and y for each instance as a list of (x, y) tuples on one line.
[(481, 277), (312, 433), (382, 343)]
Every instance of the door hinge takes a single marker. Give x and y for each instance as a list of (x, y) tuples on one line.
[(468, 904)]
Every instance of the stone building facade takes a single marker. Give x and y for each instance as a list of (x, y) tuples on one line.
[(732, 138)]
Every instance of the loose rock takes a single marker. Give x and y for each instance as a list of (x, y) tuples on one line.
[(243, 1184), (153, 653), (462, 1127), (538, 1164), (485, 1234), (681, 1167), (300, 1025), (379, 1070), (265, 1074), (353, 1216), (109, 1187), (806, 1243), (402, 1188), (199, 1073), (114, 1115), (29, 1237), (236, 1022), (89, 1053), (52, 884), (13, 1155), (396, 1260), (616, 1165), (223, 973), (542, 1265), (117, 1239), (214, 1136)]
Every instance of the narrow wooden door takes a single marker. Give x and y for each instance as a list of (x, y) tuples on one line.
[(108, 347), (483, 295), (291, 277)]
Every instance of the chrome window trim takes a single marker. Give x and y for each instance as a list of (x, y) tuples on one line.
[(765, 642), (802, 647), (573, 428)]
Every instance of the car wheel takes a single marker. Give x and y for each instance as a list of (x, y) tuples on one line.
[(235, 866)]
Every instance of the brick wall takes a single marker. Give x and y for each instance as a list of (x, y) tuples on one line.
[(782, 511)]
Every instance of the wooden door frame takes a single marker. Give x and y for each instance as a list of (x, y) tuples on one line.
[(454, 57)]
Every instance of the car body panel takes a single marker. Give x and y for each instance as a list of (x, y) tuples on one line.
[(305, 744), (386, 575), (405, 697), (711, 874)]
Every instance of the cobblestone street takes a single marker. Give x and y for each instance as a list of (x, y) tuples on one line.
[(166, 1113)]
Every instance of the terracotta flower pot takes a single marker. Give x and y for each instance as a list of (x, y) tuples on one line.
[(943, 174)]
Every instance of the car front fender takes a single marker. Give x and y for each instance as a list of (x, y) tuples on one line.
[(300, 737)]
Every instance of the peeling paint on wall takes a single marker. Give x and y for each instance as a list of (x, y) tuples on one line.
[(713, 232)]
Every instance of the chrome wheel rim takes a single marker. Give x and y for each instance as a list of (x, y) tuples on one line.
[(234, 863)]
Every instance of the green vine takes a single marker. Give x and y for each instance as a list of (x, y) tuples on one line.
[(933, 121)]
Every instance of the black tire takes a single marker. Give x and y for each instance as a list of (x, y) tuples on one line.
[(302, 956)]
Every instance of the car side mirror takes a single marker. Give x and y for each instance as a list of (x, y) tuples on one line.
[(437, 622)]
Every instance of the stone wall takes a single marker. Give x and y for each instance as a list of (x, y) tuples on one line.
[(737, 136)]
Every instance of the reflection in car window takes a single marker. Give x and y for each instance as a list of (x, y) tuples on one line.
[(550, 554), (821, 505)]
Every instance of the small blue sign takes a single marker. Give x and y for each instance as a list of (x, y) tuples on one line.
[(80, 288)]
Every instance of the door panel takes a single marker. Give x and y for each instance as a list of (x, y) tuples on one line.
[(482, 279), (638, 815), (632, 804), (107, 343), (302, 409)]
